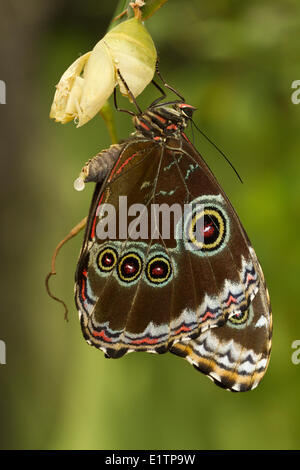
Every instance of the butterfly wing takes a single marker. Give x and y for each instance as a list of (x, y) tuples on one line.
[(178, 291), (236, 355), (108, 295)]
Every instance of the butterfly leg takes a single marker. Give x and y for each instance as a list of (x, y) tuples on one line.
[(122, 110), (182, 100), (130, 94), (156, 103), (160, 98)]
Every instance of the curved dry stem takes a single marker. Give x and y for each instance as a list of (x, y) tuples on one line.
[(75, 230)]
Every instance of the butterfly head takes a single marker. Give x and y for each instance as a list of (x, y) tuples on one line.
[(186, 110), (164, 121)]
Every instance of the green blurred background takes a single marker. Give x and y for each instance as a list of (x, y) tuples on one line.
[(235, 61)]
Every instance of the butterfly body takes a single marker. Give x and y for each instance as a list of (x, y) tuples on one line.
[(193, 286)]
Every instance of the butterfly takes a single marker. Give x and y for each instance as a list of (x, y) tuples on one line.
[(199, 292)]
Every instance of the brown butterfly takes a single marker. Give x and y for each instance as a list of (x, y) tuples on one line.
[(198, 292)]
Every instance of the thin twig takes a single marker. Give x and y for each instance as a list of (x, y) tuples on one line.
[(75, 230)]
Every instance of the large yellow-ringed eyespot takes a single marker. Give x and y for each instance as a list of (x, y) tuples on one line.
[(107, 259), (158, 270), (207, 229), (130, 267)]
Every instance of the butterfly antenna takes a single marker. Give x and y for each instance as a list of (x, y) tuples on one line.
[(218, 149), (192, 130)]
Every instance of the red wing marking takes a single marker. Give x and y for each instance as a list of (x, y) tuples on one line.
[(113, 170), (207, 315), (185, 137), (145, 340), (125, 163), (84, 273), (250, 277), (121, 167), (182, 328), (83, 289), (231, 300), (95, 218), (102, 335)]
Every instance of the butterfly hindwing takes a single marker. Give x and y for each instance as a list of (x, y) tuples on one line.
[(236, 355)]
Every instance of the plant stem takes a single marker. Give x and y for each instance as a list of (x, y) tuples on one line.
[(150, 7), (107, 115)]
